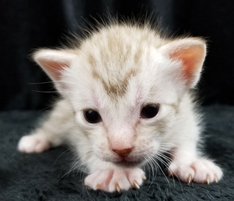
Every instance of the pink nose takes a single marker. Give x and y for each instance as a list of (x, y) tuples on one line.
[(122, 152)]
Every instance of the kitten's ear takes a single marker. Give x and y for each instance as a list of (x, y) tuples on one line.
[(191, 52), (53, 62)]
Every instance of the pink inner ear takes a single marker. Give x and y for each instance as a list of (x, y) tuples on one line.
[(191, 58), (54, 68)]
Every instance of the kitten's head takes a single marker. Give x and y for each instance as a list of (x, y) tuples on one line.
[(125, 85)]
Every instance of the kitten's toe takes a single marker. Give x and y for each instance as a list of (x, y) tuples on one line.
[(181, 171), (99, 179), (33, 144), (136, 177), (200, 171), (206, 171)]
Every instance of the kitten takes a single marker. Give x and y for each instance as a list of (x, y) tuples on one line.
[(126, 100)]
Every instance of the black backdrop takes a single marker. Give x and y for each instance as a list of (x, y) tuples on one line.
[(30, 24)]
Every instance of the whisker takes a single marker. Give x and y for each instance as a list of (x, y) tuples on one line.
[(155, 161), (47, 92), (67, 150), (77, 164), (168, 159), (151, 169), (37, 83)]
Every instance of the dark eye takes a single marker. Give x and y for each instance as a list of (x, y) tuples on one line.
[(149, 111), (92, 116)]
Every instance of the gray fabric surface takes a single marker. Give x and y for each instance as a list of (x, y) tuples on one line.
[(45, 176)]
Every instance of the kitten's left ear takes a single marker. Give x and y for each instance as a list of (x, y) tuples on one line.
[(53, 62), (191, 52)]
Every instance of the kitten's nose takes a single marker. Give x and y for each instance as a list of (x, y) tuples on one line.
[(123, 152)]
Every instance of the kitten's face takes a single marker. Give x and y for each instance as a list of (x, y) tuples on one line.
[(125, 84), (134, 108)]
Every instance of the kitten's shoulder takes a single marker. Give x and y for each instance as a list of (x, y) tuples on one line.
[(63, 108)]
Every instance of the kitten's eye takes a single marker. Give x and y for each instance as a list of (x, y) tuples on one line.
[(149, 111), (92, 116)]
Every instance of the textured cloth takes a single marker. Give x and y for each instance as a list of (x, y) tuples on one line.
[(47, 176)]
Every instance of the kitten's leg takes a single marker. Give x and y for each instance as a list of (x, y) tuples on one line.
[(188, 166), (52, 131)]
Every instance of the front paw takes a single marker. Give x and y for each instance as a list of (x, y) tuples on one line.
[(200, 171), (115, 179), (33, 144)]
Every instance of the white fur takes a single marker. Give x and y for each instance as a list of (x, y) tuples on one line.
[(156, 78)]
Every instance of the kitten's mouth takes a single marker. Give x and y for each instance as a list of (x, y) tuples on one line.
[(126, 163)]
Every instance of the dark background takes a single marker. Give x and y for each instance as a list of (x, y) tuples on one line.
[(30, 24), (26, 25)]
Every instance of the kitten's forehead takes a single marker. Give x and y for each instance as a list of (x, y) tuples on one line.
[(115, 87), (118, 55)]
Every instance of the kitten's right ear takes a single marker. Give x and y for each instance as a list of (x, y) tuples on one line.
[(191, 53), (53, 62)]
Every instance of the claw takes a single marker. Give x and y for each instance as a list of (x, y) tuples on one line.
[(135, 184), (189, 179), (169, 174), (216, 178), (208, 179), (117, 187), (98, 186), (143, 177)]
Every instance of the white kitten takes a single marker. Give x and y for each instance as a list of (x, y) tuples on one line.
[(126, 101)]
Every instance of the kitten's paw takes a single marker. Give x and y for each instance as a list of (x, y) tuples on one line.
[(200, 171), (33, 144), (115, 180)]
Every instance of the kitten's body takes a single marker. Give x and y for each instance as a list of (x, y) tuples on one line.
[(118, 72)]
